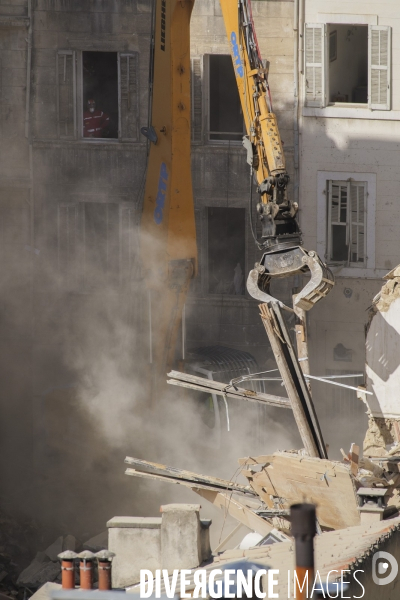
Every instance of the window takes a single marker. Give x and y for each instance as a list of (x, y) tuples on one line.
[(347, 213), (225, 118), (346, 207), (68, 245), (100, 94), (197, 99), (347, 63), (226, 250), (96, 245), (97, 95), (66, 94)]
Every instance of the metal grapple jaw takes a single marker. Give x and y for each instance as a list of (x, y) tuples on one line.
[(289, 262)]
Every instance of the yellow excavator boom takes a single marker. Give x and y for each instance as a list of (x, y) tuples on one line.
[(168, 232)]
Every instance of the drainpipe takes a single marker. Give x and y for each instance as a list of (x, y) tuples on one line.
[(301, 5), (296, 100), (28, 71)]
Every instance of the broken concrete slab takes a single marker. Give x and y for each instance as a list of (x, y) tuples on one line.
[(137, 545), (40, 571), (180, 551), (97, 542), (69, 543), (54, 549)]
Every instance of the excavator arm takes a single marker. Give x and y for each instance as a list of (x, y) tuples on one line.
[(168, 234), (281, 240)]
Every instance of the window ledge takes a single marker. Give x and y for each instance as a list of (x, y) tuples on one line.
[(225, 143), (357, 272), (101, 143), (351, 111), (14, 21)]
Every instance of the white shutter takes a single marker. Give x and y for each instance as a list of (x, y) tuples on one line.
[(68, 245), (337, 217), (347, 219), (197, 99), (66, 94), (357, 215), (128, 241), (379, 66), (315, 36), (128, 76)]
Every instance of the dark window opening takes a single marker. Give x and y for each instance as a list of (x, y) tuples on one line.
[(101, 244), (348, 63), (100, 94), (226, 118), (226, 250), (347, 214)]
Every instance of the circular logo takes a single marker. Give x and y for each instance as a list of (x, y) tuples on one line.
[(384, 568)]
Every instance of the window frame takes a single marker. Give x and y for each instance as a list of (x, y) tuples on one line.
[(348, 224), (204, 265), (324, 104), (197, 99), (64, 53), (353, 269), (206, 105), (127, 245), (78, 98)]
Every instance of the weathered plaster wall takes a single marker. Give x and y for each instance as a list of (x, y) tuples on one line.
[(350, 143)]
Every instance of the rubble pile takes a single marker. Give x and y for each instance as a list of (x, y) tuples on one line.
[(20, 575), (18, 539), (45, 566)]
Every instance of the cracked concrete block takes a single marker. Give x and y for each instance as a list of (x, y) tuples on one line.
[(136, 542), (184, 537), (39, 571), (97, 542), (69, 543), (54, 549)]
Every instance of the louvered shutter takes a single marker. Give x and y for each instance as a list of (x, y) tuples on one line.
[(347, 218), (379, 62), (338, 221), (315, 64), (66, 94), (68, 245), (128, 241), (128, 96), (357, 215), (197, 100)]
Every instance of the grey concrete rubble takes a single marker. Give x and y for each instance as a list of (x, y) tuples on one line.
[(180, 539), (54, 549), (97, 543), (41, 570), (45, 567)]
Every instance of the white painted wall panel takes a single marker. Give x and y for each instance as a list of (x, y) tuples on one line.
[(383, 363)]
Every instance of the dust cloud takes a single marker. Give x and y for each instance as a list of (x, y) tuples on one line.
[(75, 401)]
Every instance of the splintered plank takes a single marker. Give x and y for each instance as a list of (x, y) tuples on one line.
[(237, 510), (179, 475), (223, 389), (294, 478)]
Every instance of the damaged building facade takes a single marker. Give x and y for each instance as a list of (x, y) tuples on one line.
[(72, 180)]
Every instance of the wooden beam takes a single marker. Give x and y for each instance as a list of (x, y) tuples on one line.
[(237, 510), (302, 341), (178, 475), (222, 389), (284, 361)]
